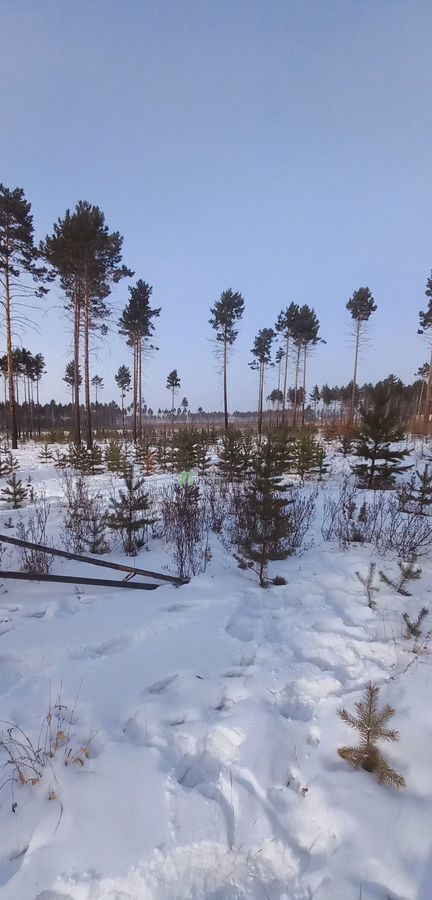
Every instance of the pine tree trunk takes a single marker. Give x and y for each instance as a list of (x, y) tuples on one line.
[(76, 386), (297, 373), (353, 396), (172, 411), (225, 386), (285, 387), (12, 404), (135, 375), (260, 399), (123, 413), (428, 397), (304, 384), (31, 407), (38, 407), (140, 384), (89, 434)]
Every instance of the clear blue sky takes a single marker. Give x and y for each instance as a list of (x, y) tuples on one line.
[(279, 147)]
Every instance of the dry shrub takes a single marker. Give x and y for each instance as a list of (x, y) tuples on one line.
[(379, 520), (28, 759), (33, 529)]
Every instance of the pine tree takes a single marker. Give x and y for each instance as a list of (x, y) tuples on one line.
[(264, 520), (87, 260), (285, 326), (416, 495), (361, 306), (123, 381), (150, 462), (226, 312), (261, 351), (9, 464), (202, 459), (115, 457), (378, 430), (172, 384), (231, 460), (15, 493), (184, 444), (425, 321), (130, 513), (19, 267), (39, 369), (307, 453), (306, 336), (136, 323), (321, 465), (45, 455), (162, 454), (315, 397), (371, 724), (414, 629), (409, 571), (69, 378), (368, 582), (96, 528)]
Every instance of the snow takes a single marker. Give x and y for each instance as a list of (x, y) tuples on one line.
[(213, 769)]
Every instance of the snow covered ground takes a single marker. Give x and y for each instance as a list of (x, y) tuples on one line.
[(213, 771)]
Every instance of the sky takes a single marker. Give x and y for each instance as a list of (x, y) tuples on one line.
[(278, 147)]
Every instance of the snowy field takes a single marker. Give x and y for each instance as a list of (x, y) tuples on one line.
[(203, 758)]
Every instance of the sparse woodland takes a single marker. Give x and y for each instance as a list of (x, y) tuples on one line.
[(316, 506)]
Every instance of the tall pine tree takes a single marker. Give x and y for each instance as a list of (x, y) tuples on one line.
[(19, 266), (226, 312)]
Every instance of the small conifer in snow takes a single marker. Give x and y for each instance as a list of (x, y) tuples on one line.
[(409, 571), (15, 493), (371, 723), (130, 513)]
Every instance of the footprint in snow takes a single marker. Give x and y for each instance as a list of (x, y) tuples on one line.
[(10, 864), (160, 686), (102, 648)]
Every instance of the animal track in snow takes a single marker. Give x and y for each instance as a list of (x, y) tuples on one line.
[(160, 686), (9, 674), (102, 648), (10, 865)]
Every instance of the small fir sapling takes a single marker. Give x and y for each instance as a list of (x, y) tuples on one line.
[(8, 464), (416, 494), (409, 571), (368, 583), (115, 458), (61, 460), (379, 429), (150, 463), (231, 459), (414, 629), (265, 526), (321, 466), (45, 455), (15, 493), (130, 513), (306, 453), (201, 455), (371, 723)]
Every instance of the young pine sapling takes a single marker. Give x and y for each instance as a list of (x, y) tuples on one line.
[(371, 723)]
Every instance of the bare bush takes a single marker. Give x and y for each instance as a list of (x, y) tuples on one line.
[(84, 519), (33, 529), (184, 528), (377, 520), (217, 499), (302, 511), (27, 758)]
